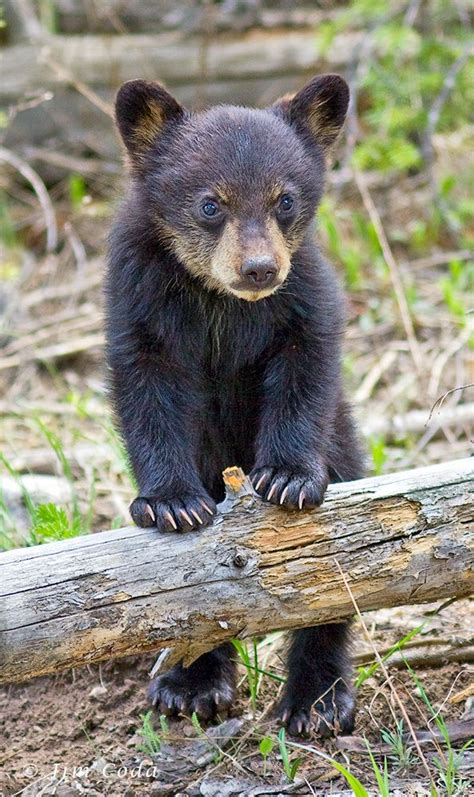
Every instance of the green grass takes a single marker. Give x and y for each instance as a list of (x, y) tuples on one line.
[(290, 767), (400, 750), (447, 762), (367, 672), (248, 653), (152, 740), (265, 747)]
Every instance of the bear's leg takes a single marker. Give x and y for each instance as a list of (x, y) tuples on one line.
[(206, 687), (319, 678)]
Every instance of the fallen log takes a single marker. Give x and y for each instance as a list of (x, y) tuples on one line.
[(398, 539)]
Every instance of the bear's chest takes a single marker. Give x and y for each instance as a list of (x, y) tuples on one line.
[(235, 341)]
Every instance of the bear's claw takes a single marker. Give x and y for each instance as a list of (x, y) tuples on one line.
[(175, 514)]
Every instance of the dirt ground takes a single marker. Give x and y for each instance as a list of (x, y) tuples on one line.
[(82, 731)]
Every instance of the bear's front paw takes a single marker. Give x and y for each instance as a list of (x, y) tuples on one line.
[(289, 487), (189, 511)]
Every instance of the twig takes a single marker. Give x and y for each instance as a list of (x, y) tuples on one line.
[(90, 322), (416, 421), (92, 279), (78, 249), (69, 162), (463, 694), (52, 352), (440, 401), (385, 672), (364, 391), (458, 651), (64, 74), (7, 156), (440, 258), (443, 358), (393, 268)]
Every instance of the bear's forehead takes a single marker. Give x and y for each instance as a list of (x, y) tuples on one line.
[(239, 143)]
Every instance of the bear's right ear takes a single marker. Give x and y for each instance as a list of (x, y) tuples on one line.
[(142, 109)]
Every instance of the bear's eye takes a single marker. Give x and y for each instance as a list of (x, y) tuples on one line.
[(286, 203), (209, 208)]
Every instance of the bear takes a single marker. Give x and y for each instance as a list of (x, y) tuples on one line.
[(223, 342)]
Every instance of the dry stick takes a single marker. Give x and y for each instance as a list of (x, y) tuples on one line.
[(64, 291), (416, 421), (440, 258), (71, 163), (62, 72), (440, 401), (386, 674), (52, 352), (7, 156), (393, 268)]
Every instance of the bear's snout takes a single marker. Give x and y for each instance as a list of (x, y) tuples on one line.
[(259, 272)]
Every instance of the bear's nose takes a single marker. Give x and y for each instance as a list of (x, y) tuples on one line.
[(259, 271)]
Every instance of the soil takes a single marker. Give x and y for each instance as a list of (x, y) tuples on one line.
[(81, 731)]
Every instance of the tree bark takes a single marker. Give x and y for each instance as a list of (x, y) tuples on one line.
[(399, 539)]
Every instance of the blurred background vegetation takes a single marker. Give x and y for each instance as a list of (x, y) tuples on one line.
[(397, 222)]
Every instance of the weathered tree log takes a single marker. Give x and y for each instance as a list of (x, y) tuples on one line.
[(399, 539)]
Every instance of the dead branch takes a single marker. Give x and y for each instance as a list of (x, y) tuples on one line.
[(41, 192), (394, 270), (395, 539), (416, 421)]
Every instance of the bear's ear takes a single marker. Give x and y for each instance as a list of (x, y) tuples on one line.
[(319, 108), (142, 109)]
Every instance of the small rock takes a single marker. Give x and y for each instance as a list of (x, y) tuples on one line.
[(98, 692), (99, 765)]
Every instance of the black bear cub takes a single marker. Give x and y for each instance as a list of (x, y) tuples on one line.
[(224, 327)]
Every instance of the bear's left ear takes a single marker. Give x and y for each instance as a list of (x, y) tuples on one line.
[(142, 109), (320, 108)]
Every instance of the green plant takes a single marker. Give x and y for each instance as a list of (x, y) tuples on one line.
[(152, 741), (447, 762), (250, 662), (290, 767), (77, 190), (358, 789), (50, 522), (456, 285), (381, 776), (368, 672), (397, 743), (27, 500), (265, 747), (253, 671), (48, 15), (378, 450), (80, 524), (217, 752), (7, 526)]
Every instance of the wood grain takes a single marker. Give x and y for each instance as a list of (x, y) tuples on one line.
[(400, 539)]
